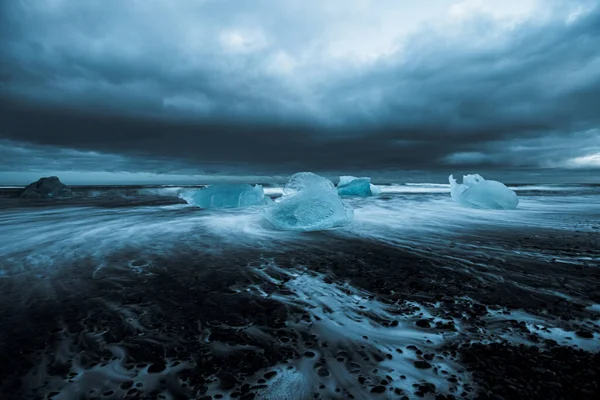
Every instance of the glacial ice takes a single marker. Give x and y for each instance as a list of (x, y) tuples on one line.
[(226, 195), (477, 192), (309, 203), (353, 186)]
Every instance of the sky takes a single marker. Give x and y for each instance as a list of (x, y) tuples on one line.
[(107, 90)]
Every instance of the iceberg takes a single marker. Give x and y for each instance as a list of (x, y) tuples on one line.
[(309, 203), (226, 195), (476, 192), (353, 186)]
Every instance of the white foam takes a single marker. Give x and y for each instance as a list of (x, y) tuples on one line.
[(547, 328), (349, 320), (409, 188), (273, 191), (104, 377), (594, 307)]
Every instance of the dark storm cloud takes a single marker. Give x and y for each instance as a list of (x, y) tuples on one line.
[(18, 157), (194, 89)]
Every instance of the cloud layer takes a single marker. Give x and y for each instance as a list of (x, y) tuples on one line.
[(312, 85)]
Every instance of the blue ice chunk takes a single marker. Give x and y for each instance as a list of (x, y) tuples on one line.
[(309, 203), (476, 192), (353, 186), (226, 195)]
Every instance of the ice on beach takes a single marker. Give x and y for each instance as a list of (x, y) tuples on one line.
[(477, 192), (353, 186), (226, 195), (309, 203)]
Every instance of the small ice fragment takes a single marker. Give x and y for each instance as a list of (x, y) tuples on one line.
[(476, 192), (309, 203), (353, 186), (226, 195), (375, 190)]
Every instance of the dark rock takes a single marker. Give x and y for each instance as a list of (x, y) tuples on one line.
[(270, 374), (157, 367), (422, 364), (47, 188), (427, 387), (423, 323), (378, 389), (585, 334)]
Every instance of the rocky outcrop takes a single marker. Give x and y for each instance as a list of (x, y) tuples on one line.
[(47, 188)]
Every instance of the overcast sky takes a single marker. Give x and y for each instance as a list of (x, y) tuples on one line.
[(192, 87)]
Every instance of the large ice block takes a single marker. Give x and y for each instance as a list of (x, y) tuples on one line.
[(309, 203), (477, 192), (226, 195), (353, 186)]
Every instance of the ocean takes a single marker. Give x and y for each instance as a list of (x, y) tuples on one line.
[(130, 292)]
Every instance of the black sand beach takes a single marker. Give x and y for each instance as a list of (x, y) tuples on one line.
[(152, 300)]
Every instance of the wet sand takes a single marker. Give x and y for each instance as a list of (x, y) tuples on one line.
[(400, 323)]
